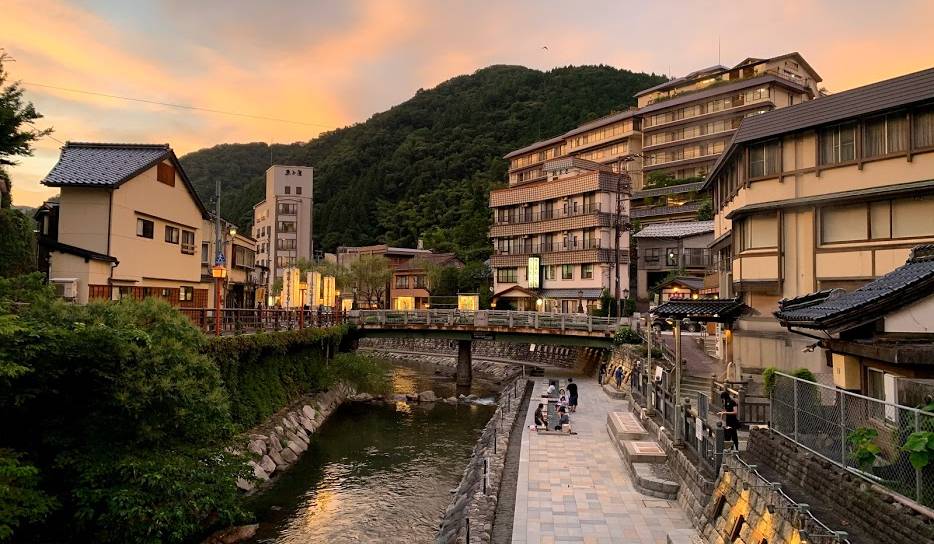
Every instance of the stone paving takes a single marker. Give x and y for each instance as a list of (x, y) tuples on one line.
[(576, 489)]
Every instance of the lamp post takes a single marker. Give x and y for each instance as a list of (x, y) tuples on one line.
[(219, 272), (625, 295), (580, 301)]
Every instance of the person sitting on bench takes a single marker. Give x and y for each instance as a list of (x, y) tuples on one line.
[(540, 417), (563, 419)]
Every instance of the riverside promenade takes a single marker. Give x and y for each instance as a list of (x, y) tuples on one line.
[(576, 488)]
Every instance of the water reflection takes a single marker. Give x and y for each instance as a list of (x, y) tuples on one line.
[(377, 473)]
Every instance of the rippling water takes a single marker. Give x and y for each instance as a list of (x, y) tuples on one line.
[(376, 472)]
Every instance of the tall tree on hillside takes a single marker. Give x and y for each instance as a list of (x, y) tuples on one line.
[(17, 134)]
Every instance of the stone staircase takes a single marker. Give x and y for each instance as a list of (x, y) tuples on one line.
[(692, 385), (644, 457)]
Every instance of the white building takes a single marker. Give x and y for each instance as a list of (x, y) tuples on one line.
[(282, 222)]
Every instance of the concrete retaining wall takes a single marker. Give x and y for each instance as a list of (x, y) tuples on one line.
[(542, 355)]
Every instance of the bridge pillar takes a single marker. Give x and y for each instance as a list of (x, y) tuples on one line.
[(464, 363)]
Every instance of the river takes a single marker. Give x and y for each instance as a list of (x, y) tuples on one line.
[(377, 472)]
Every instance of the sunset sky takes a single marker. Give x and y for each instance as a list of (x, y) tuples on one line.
[(324, 65)]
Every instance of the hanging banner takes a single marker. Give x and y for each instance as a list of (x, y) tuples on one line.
[(533, 272)]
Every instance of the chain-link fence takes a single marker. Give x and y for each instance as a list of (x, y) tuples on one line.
[(863, 434)]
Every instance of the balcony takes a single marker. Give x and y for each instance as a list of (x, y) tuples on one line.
[(550, 247), (587, 182), (689, 259), (527, 216), (638, 213)]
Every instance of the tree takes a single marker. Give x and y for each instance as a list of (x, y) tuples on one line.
[(16, 138), (705, 212), (17, 135), (370, 275)]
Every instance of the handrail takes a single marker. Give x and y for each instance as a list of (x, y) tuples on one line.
[(481, 319)]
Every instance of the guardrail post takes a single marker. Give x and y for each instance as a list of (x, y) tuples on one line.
[(405, 318), (510, 320), (562, 322), (842, 428), (718, 446), (589, 323), (536, 320), (919, 480), (428, 317), (794, 384)]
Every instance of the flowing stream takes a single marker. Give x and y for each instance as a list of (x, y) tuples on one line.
[(377, 472)]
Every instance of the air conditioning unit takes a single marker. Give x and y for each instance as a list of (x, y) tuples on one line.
[(67, 288)]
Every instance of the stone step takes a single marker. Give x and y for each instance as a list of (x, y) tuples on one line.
[(624, 426), (614, 393), (643, 451), (648, 482), (684, 536)]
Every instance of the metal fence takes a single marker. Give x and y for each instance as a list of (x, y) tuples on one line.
[(847, 428), (703, 439)]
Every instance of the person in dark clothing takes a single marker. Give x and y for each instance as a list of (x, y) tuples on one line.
[(540, 420), (563, 419), (619, 377), (730, 413), (601, 373), (572, 395)]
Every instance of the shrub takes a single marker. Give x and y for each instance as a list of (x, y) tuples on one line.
[(625, 335), (863, 450), (804, 374), (768, 379)]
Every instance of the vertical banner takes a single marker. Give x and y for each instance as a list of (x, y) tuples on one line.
[(533, 272), (314, 289), (329, 291)]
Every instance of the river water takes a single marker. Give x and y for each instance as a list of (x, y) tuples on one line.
[(377, 472)]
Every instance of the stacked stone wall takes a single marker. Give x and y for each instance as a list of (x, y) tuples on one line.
[(542, 354)]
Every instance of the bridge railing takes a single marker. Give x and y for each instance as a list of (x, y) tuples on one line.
[(250, 320), (485, 318)]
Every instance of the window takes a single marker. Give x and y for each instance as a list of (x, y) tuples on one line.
[(165, 173), (671, 256), (286, 226), (913, 217), (652, 254), (243, 257), (402, 282), (506, 275), (550, 272), (420, 282), (298, 190), (171, 234), (885, 134), (764, 159), (205, 253), (567, 271), (186, 294), (288, 190), (586, 271), (843, 223), (288, 209), (144, 228), (286, 244), (922, 129), (881, 385), (838, 144), (188, 242), (760, 231)]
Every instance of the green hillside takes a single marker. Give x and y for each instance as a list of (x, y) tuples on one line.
[(423, 168)]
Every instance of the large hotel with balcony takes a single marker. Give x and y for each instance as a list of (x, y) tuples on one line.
[(820, 196), (554, 246), (687, 122)]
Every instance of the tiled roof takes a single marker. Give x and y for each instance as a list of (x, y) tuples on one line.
[(692, 283), (876, 97), (103, 165), (441, 259), (534, 146), (572, 293), (702, 309), (693, 96), (669, 190), (675, 229), (835, 309)]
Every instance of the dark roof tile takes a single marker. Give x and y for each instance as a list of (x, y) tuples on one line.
[(95, 164)]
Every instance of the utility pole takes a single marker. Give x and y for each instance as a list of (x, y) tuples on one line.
[(618, 225), (679, 408), (218, 271)]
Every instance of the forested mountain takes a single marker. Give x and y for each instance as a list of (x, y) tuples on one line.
[(423, 168)]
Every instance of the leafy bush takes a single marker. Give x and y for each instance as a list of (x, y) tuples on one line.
[(366, 374), (21, 500), (125, 419), (863, 450), (804, 374), (625, 335), (920, 446), (768, 379)]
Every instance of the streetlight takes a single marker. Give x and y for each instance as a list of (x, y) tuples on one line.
[(219, 272), (580, 301)]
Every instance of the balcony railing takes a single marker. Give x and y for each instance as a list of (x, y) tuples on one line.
[(550, 247), (687, 259), (528, 216)]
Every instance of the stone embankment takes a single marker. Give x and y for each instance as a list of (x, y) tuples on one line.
[(278, 444), (469, 516)]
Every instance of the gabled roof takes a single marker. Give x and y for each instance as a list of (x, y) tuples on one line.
[(519, 289), (75, 250), (876, 97), (721, 310), (683, 79), (675, 229), (440, 259), (534, 146), (92, 164), (692, 283), (835, 310)]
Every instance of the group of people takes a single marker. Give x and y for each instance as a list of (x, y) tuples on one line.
[(609, 374), (567, 402)]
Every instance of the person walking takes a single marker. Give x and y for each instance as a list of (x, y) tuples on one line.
[(572, 395), (602, 373), (619, 377), (731, 419)]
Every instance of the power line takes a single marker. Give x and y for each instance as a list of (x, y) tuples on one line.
[(180, 106)]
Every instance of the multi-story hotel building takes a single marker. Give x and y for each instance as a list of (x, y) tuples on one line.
[(282, 222), (688, 122), (554, 246), (825, 194)]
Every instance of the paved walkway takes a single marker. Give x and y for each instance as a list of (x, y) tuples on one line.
[(576, 489)]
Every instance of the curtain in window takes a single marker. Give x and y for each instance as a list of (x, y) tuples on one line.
[(913, 217), (923, 128), (896, 126), (827, 143), (874, 137)]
